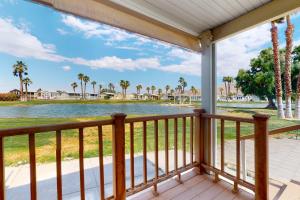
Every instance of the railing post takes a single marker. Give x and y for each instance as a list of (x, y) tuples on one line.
[(261, 146), (118, 153), (199, 138)]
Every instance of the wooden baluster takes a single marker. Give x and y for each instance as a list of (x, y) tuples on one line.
[(192, 140), (32, 161), (58, 166), (184, 141), (199, 138), (2, 169), (176, 150), (238, 156), (118, 150), (261, 146), (167, 146), (222, 144), (101, 164), (156, 157), (145, 151), (132, 154), (209, 142), (81, 164)]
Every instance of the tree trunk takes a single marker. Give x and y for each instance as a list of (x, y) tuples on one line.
[(277, 70), (81, 89), (288, 63), (21, 87), (271, 104), (26, 88), (297, 107)]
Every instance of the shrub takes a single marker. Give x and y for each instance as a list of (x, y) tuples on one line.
[(9, 97)]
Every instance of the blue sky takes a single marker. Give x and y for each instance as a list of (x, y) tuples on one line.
[(57, 47)]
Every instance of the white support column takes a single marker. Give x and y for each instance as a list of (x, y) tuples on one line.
[(208, 84)]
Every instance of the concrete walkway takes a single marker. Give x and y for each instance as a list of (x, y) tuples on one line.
[(18, 178)]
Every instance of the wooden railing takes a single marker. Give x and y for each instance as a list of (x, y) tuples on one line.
[(200, 151)]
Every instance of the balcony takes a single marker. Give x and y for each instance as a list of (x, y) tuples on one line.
[(158, 172)]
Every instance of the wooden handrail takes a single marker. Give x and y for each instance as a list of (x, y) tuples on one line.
[(229, 118), (275, 131), (56, 127), (157, 117)]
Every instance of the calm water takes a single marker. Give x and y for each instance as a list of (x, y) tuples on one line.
[(84, 110)]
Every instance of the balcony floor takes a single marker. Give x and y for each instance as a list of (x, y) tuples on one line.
[(193, 187)]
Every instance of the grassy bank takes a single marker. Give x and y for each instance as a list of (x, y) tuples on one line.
[(16, 148)]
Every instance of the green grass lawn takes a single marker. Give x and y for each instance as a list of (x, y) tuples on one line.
[(16, 148)]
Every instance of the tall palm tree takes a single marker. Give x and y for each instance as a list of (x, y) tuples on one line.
[(277, 70), (138, 89), (159, 91), (167, 89), (126, 85), (100, 88), (111, 87), (85, 79), (19, 70), (148, 90), (122, 83), (27, 82), (153, 88), (80, 77), (183, 84), (288, 63), (74, 86), (94, 83), (229, 81)]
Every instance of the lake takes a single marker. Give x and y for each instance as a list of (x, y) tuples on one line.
[(86, 110)]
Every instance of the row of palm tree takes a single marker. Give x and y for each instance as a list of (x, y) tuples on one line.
[(20, 69), (287, 70)]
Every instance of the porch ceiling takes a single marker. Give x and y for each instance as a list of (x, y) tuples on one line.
[(180, 22)]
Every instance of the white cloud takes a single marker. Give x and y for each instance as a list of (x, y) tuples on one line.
[(17, 41), (236, 52), (62, 31), (66, 68)]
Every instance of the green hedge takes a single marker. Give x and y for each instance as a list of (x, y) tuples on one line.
[(9, 97)]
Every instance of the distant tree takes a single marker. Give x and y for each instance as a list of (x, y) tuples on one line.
[(148, 90), (167, 89), (138, 89), (124, 85), (19, 70), (80, 77), (85, 79), (159, 91), (259, 80), (27, 82), (94, 83), (183, 84), (153, 88), (221, 91), (111, 87), (100, 89), (74, 86), (172, 92)]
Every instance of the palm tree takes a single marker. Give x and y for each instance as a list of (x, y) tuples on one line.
[(27, 82), (100, 88), (153, 88), (80, 77), (277, 70), (124, 85), (138, 89), (94, 83), (194, 92), (172, 92), (159, 91), (183, 84), (288, 62), (167, 89), (111, 87), (148, 90), (74, 86), (85, 79), (229, 81), (20, 69)]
